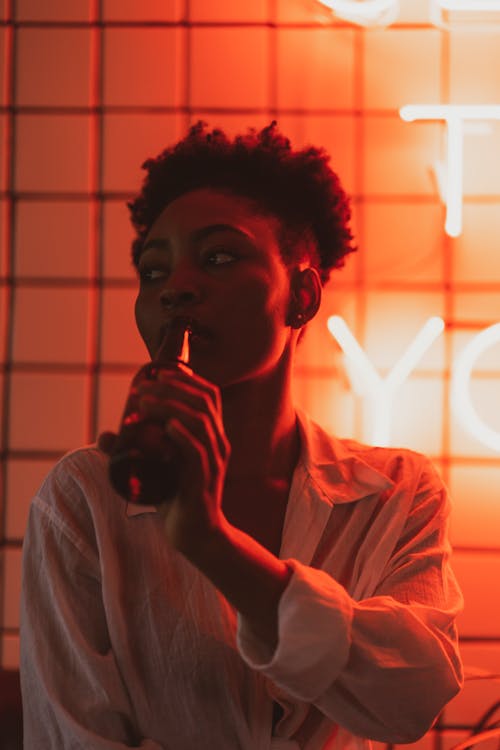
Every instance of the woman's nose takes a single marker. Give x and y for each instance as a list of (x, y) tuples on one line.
[(177, 298)]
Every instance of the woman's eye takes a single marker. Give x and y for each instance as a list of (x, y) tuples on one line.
[(220, 257), (151, 274)]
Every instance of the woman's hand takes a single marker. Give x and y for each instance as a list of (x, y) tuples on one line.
[(190, 407), (191, 410)]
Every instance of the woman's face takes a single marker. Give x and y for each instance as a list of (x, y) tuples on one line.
[(212, 258)]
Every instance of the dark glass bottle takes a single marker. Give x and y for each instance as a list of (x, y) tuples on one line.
[(144, 465)]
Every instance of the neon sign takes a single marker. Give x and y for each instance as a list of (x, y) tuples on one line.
[(379, 392), (365, 13), (474, 6), (460, 395), (385, 12), (450, 174), (449, 13)]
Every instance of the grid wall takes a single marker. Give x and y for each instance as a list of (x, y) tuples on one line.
[(89, 89)]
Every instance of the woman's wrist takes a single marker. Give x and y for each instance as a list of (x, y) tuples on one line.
[(250, 577)]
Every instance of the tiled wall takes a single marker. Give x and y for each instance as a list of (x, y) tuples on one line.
[(89, 89)]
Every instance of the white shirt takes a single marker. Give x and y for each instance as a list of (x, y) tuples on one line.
[(125, 644)]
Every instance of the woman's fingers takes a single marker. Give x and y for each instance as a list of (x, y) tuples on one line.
[(199, 435), (198, 461), (198, 408), (193, 384)]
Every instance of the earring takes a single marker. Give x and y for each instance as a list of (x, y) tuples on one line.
[(299, 320)]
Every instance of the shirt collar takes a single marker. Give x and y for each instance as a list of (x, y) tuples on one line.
[(338, 467)]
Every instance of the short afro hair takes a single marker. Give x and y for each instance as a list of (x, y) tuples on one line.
[(296, 186)]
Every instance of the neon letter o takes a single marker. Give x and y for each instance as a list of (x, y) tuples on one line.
[(461, 400)]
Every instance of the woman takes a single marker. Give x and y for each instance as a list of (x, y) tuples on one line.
[(296, 593)]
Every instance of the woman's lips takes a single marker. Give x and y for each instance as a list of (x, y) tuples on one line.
[(183, 322), (173, 329)]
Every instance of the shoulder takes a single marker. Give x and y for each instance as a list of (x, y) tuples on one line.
[(82, 472), (361, 468), (321, 447), (79, 461), (392, 461), (75, 494)]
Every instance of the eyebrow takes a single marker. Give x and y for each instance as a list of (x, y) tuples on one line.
[(197, 235), (204, 232)]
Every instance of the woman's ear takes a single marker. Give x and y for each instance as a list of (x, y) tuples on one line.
[(305, 296)]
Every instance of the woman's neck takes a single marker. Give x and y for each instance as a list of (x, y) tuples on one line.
[(261, 426)]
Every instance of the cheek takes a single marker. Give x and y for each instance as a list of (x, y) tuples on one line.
[(142, 320), (257, 319), (267, 294), (138, 314)]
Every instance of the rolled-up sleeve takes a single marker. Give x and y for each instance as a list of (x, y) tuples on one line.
[(383, 666)]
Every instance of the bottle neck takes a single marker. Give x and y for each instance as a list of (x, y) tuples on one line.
[(175, 346)]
